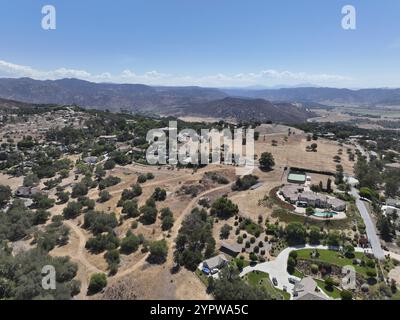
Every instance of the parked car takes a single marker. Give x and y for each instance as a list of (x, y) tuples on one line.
[(292, 280), (214, 271), (274, 281)]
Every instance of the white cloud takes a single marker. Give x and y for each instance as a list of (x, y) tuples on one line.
[(265, 77)]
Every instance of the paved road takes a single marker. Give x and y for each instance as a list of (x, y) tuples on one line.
[(369, 225)]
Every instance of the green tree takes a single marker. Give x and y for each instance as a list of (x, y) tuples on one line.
[(98, 282), (167, 219), (40, 217), (225, 231), (5, 194), (130, 243), (72, 210), (158, 251), (224, 208), (104, 196), (78, 190), (63, 197), (346, 295), (31, 180), (314, 235), (266, 161), (295, 234), (130, 208), (159, 194)]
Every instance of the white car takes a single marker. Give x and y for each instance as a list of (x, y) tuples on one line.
[(214, 271)]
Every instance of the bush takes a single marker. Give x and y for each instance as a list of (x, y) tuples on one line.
[(149, 214), (98, 282), (149, 176), (130, 243), (158, 251), (224, 208), (266, 161), (253, 257), (99, 222), (130, 208), (167, 219), (112, 257), (102, 242), (40, 217), (225, 231), (72, 210), (142, 178), (104, 196), (314, 268), (295, 234), (78, 190), (346, 295), (159, 194), (245, 183)]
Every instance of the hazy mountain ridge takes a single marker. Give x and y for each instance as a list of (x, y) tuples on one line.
[(208, 102), (250, 109), (133, 97), (334, 96)]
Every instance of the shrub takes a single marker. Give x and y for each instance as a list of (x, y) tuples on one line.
[(72, 210), (158, 251), (98, 282), (130, 243)]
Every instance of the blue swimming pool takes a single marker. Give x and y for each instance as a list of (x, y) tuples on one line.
[(326, 214)]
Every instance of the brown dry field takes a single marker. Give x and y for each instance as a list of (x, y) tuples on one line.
[(134, 267), (330, 116), (293, 152), (136, 279), (12, 182)]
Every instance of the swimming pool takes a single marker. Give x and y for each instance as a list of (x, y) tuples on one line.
[(326, 214)]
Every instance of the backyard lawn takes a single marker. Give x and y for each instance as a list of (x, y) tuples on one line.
[(257, 278), (202, 276), (335, 293), (335, 258)]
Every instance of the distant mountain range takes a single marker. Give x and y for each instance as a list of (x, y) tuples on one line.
[(328, 96), (242, 104), (133, 97), (250, 109)]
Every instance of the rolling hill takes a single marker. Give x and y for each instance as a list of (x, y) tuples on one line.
[(329, 96), (250, 109), (142, 98)]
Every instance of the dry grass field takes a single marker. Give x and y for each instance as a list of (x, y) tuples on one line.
[(136, 278), (292, 153)]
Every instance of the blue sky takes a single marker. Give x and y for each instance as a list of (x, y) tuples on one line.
[(204, 42)]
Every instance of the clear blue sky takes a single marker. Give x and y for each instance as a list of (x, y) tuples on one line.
[(205, 42)]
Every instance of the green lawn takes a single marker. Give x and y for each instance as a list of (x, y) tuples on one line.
[(245, 262), (288, 217), (298, 274), (202, 276), (257, 278), (335, 293), (335, 258), (396, 296), (252, 227)]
